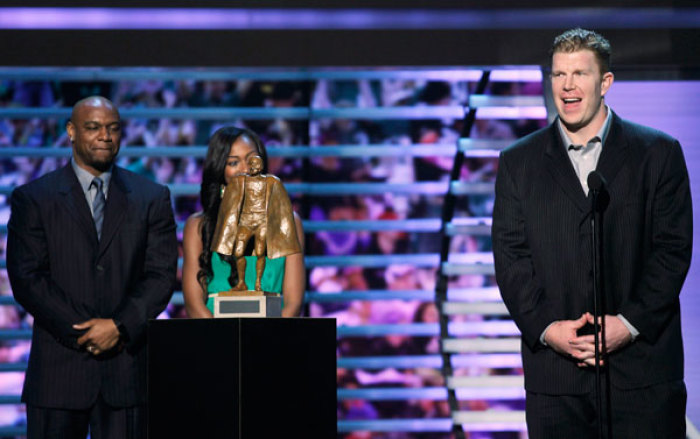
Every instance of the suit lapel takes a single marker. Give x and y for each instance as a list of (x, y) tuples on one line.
[(115, 208), (614, 151), (559, 166), (75, 202)]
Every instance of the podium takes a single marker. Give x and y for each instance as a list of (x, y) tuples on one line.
[(242, 378)]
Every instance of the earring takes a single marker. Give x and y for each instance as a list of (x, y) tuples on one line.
[(223, 188)]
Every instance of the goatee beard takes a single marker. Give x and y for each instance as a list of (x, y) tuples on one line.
[(102, 166)]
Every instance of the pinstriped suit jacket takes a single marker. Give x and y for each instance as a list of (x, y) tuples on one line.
[(62, 275), (541, 243)]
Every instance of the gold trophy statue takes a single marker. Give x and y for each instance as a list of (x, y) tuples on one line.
[(254, 205)]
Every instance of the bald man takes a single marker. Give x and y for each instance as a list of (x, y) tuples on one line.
[(91, 255)]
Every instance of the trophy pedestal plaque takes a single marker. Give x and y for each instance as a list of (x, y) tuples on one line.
[(245, 304)]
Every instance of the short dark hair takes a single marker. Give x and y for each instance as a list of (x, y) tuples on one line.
[(577, 39)]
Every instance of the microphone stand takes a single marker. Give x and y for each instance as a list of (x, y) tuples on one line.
[(599, 201)]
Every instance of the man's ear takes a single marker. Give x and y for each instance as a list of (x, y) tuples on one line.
[(608, 79), (70, 129)]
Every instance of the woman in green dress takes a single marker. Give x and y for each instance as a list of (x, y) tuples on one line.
[(206, 273)]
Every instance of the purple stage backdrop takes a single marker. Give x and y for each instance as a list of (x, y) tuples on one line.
[(674, 107)]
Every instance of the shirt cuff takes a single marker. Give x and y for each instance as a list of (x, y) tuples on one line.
[(629, 326), (544, 332)]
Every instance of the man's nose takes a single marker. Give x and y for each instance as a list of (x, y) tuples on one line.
[(105, 134), (569, 83)]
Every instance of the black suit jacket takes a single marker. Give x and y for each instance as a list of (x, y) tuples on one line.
[(62, 275), (542, 237)]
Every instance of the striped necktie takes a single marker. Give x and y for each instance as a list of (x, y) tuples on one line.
[(98, 205)]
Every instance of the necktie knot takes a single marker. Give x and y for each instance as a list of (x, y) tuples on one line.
[(97, 183)]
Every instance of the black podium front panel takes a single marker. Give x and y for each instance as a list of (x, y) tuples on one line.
[(242, 378)]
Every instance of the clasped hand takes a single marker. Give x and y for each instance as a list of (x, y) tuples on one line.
[(562, 336), (101, 335)]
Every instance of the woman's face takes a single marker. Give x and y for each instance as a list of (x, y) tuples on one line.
[(237, 161)]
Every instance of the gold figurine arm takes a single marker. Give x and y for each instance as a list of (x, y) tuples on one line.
[(294, 276)]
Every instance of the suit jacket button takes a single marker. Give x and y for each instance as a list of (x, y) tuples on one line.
[(99, 268)]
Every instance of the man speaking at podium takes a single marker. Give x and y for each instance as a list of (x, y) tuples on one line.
[(91, 255), (542, 250)]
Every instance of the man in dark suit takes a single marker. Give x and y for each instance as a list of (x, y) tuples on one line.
[(91, 254), (542, 247)]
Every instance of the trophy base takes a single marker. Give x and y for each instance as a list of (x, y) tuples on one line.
[(247, 304), (243, 293)]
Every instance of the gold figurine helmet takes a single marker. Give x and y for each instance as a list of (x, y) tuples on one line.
[(255, 165)]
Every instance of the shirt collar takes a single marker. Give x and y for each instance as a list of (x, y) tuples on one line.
[(85, 178), (602, 133)]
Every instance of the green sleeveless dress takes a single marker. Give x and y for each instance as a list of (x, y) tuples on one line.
[(272, 278)]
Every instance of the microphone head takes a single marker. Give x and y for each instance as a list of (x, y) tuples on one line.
[(596, 182)]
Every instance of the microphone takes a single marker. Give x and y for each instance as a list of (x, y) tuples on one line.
[(596, 181), (600, 198), (597, 188)]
